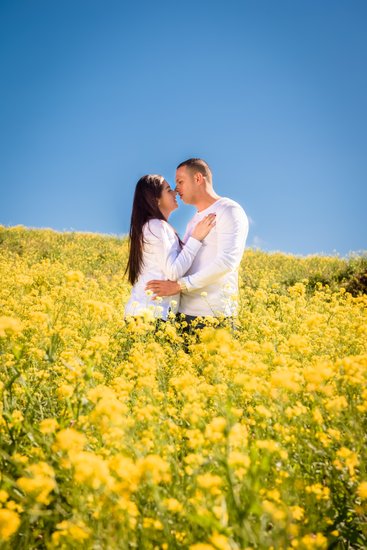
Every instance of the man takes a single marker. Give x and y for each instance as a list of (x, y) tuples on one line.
[(212, 279)]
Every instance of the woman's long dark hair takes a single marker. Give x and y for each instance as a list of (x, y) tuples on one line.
[(145, 207)]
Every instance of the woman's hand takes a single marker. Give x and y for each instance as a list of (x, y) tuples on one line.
[(203, 227)]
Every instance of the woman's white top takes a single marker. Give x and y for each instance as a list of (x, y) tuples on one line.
[(163, 259)]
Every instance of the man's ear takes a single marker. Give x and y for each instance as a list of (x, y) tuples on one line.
[(199, 178)]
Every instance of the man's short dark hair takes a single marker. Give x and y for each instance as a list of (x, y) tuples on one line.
[(198, 165)]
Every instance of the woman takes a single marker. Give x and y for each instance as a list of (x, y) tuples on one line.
[(156, 251)]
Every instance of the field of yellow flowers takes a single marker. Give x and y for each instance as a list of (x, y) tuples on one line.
[(120, 435)]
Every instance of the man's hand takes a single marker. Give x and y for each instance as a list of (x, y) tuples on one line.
[(163, 288)]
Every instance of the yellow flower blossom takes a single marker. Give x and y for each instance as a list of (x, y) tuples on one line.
[(215, 429), (274, 511), (154, 468), (69, 440), (173, 505), (309, 542), (65, 391), (201, 546), (90, 469), (220, 542), (69, 530), (48, 425), (74, 276), (210, 482), (39, 483), (297, 513), (321, 492), (362, 490), (9, 326), (9, 523), (350, 459)]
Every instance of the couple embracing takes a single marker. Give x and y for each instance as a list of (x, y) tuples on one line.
[(193, 277)]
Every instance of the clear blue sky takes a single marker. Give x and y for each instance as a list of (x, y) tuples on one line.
[(273, 94)]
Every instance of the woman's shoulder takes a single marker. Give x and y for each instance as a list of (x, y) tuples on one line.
[(154, 223), (156, 227)]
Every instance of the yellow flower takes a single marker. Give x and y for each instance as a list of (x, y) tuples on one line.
[(12, 505), (74, 276), (70, 530), (90, 469), (17, 417), (20, 459), (298, 343), (9, 523), (9, 326), (65, 391), (317, 416), (40, 483), (215, 429), (127, 472), (320, 491), (297, 512), (239, 460), (100, 392), (362, 490), (48, 425), (268, 444), (309, 542), (210, 482), (298, 289), (284, 379), (69, 440), (130, 508), (173, 505), (154, 468), (109, 411), (201, 546), (238, 435), (151, 523), (350, 458), (220, 541), (337, 404), (274, 495), (277, 513), (263, 411)]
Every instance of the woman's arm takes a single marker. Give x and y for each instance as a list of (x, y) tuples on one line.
[(173, 261), (232, 229)]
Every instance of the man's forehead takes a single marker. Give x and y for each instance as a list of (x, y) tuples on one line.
[(181, 171)]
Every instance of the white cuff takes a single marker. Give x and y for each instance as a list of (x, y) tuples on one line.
[(182, 284)]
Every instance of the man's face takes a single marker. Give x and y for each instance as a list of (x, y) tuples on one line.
[(186, 186)]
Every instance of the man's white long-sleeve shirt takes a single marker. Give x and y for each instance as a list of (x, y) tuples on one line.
[(163, 259), (214, 270)]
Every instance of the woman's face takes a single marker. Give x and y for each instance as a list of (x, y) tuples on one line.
[(167, 201)]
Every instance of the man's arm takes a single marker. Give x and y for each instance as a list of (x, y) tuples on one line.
[(232, 230)]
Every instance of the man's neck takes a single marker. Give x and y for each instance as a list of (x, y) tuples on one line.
[(207, 200)]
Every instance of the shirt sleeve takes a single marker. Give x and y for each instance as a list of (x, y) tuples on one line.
[(232, 230), (173, 261)]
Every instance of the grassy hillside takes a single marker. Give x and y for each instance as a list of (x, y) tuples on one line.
[(115, 435)]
